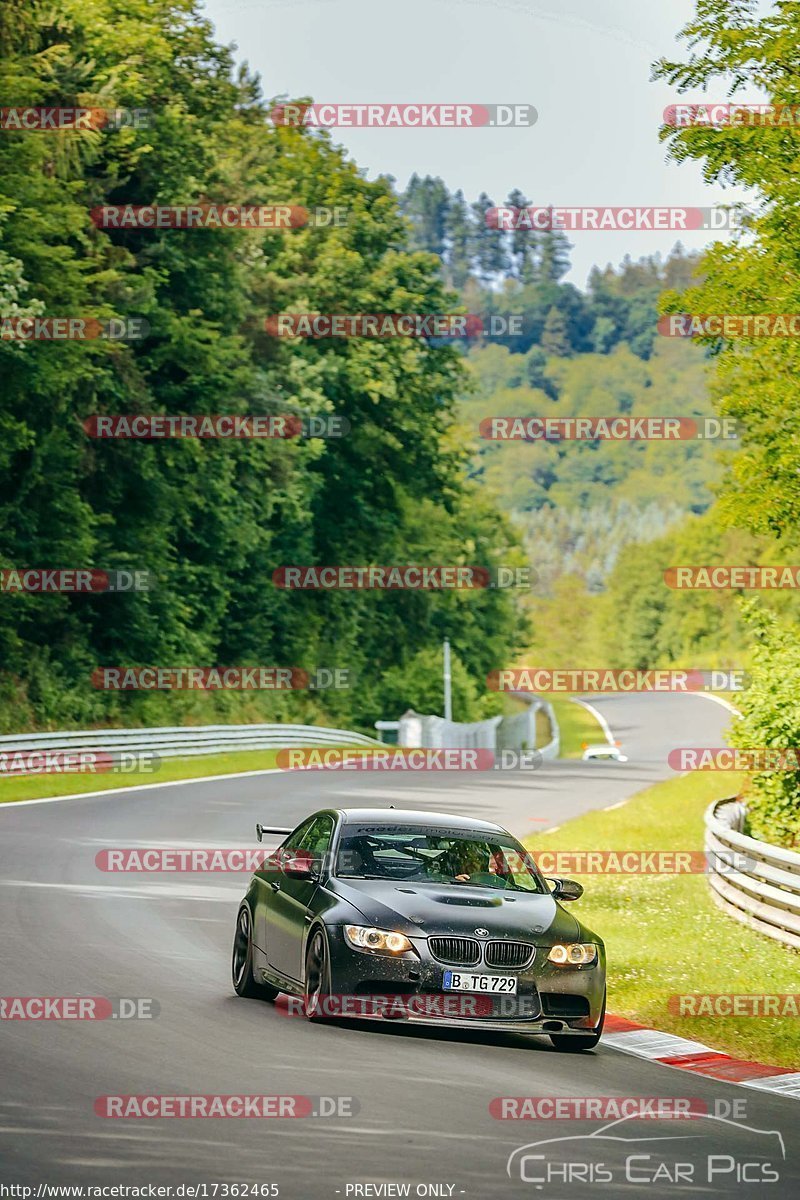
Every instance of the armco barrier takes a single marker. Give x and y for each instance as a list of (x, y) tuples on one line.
[(182, 741), (765, 894), (517, 732)]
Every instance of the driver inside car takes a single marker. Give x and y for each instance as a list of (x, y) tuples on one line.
[(469, 862)]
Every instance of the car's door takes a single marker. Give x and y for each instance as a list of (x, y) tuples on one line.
[(266, 876), (288, 906)]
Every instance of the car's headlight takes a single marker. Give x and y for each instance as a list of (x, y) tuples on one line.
[(381, 941), (573, 954)]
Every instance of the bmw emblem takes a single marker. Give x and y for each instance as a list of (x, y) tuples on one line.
[(481, 932)]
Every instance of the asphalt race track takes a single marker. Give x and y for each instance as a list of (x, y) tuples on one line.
[(422, 1097)]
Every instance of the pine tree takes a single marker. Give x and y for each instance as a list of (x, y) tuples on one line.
[(554, 249), (489, 253), (426, 203), (459, 241), (523, 243), (555, 337)]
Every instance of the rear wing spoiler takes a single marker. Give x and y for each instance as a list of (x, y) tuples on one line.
[(262, 829)]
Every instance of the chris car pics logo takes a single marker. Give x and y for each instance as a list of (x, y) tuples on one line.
[(614, 1154)]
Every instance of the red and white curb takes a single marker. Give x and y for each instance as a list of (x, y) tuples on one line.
[(674, 1051)]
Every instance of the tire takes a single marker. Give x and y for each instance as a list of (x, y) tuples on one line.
[(242, 961), (317, 976), (575, 1042)]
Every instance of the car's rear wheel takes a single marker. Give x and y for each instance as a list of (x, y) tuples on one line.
[(317, 977), (242, 961), (574, 1042)]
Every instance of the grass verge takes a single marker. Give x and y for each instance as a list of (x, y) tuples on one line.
[(35, 787), (577, 725), (665, 936)]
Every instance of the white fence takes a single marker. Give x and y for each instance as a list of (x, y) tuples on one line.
[(182, 741), (765, 892), (415, 729), (517, 732)]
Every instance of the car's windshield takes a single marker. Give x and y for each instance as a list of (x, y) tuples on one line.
[(437, 855)]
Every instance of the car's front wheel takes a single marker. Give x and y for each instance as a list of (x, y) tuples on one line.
[(317, 977), (244, 983), (580, 1041)]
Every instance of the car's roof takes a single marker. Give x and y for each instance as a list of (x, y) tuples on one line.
[(414, 816), (607, 746)]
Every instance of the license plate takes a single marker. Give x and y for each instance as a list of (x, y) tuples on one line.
[(494, 985)]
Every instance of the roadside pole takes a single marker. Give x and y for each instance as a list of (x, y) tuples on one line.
[(448, 695)]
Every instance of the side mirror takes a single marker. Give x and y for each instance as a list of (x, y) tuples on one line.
[(566, 889), (300, 866)]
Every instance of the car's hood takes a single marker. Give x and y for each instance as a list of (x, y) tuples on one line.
[(457, 909)]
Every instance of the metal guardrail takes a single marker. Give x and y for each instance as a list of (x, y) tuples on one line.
[(516, 732), (510, 725), (182, 741), (765, 892)]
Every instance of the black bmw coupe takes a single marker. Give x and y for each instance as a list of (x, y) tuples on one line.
[(422, 917)]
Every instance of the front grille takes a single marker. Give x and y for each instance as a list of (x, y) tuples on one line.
[(509, 954), (458, 950)]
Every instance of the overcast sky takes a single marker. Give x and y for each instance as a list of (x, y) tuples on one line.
[(585, 66)]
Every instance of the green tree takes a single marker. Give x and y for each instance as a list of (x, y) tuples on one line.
[(555, 338), (426, 202), (734, 42), (553, 254), (770, 718), (419, 685), (489, 250), (458, 230)]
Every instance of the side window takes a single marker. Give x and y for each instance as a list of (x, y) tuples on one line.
[(317, 838), (295, 840)]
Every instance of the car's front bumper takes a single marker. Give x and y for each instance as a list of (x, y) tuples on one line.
[(410, 987)]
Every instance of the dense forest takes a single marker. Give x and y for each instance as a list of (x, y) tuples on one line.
[(498, 272), (210, 521), (592, 353)]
